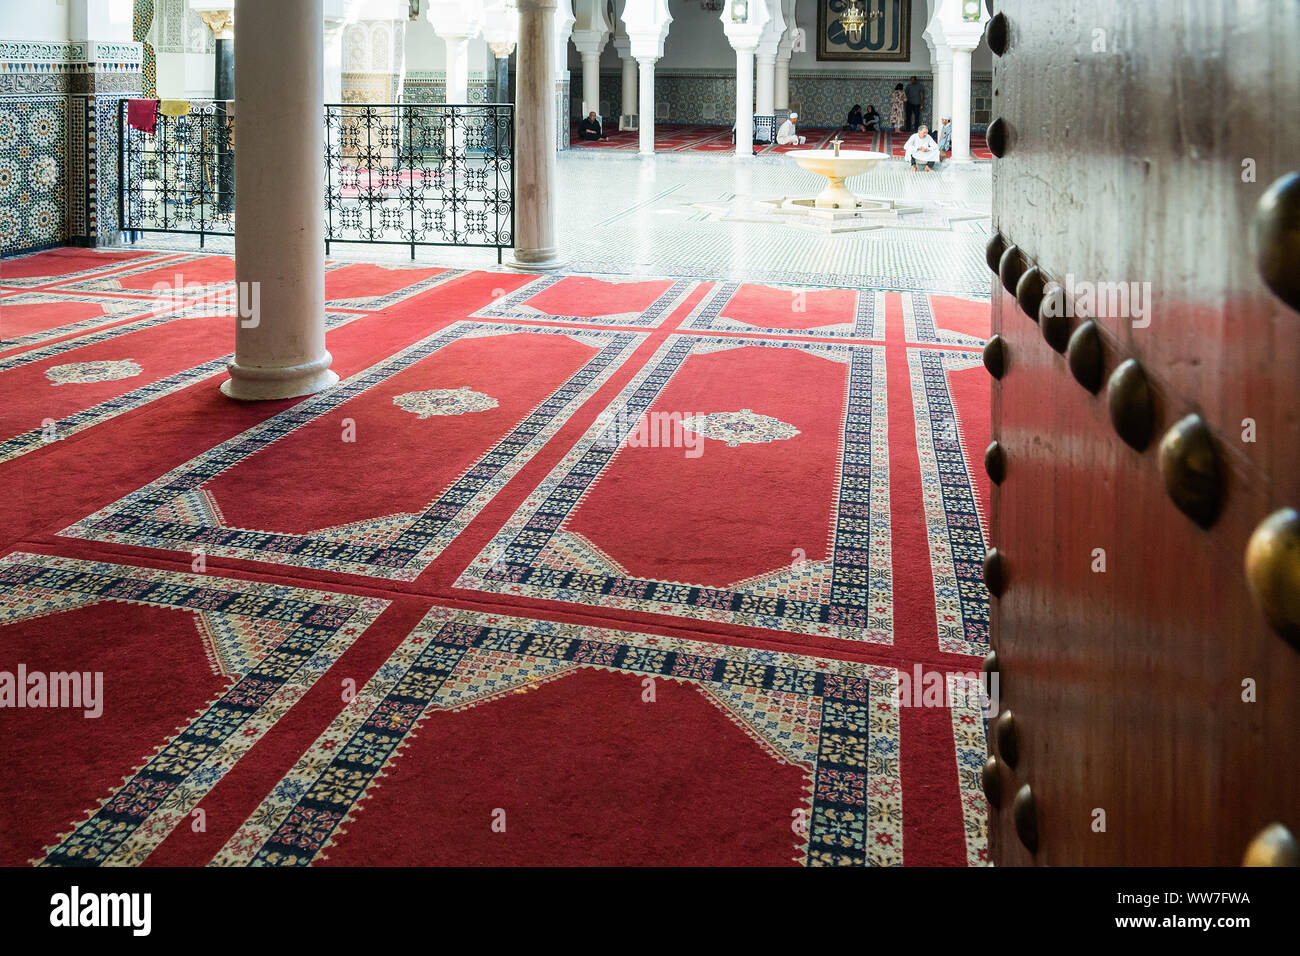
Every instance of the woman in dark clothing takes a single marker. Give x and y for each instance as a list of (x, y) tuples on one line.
[(870, 119), (855, 119)]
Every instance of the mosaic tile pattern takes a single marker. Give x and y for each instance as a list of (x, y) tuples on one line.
[(33, 172)]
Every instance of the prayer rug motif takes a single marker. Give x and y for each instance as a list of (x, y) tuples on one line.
[(515, 305), (837, 721), (277, 641), (82, 373), (953, 520), (866, 321), (849, 596), (396, 547), (745, 426), (444, 401)]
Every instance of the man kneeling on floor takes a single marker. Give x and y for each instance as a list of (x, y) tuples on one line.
[(921, 148), (787, 136), (589, 128)]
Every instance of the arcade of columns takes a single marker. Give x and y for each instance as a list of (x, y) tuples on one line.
[(280, 72)]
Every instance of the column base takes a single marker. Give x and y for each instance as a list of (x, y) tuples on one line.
[(544, 260), (256, 383)]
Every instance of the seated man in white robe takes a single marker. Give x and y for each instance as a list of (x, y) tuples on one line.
[(787, 136), (921, 148)]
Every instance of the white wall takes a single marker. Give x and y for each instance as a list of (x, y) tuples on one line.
[(427, 53), (34, 19)]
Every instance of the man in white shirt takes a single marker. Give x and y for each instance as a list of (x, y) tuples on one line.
[(786, 135), (921, 148)]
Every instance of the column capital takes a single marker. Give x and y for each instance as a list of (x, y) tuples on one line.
[(647, 25), (743, 35), (590, 42)]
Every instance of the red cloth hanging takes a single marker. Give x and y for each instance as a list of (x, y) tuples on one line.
[(142, 115)]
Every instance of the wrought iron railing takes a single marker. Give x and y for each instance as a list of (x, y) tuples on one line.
[(180, 177), (414, 174)]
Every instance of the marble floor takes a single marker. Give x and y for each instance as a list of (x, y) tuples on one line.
[(660, 215)]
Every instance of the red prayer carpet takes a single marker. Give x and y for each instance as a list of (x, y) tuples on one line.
[(566, 570)]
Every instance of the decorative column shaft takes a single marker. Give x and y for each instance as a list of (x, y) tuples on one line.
[(503, 79), (280, 243), (647, 107), (629, 88), (765, 94), (961, 105), (745, 101), (535, 120), (781, 96), (590, 82), (942, 98), (457, 67)]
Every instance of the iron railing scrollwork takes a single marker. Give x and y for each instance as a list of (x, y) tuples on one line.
[(180, 177), (411, 174)]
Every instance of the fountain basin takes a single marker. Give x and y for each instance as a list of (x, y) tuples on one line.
[(849, 162)]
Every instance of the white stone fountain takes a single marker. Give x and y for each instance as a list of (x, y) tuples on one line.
[(835, 208), (837, 165)]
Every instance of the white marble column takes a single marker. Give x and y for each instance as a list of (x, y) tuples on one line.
[(590, 34), (535, 119), (765, 91), (280, 205), (629, 90), (744, 101), (646, 110), (961, 57), (562, 30), (457, 45), (590, 82), (942, 99), (781, 94)]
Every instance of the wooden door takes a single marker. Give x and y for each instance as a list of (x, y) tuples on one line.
[(1154, 711)]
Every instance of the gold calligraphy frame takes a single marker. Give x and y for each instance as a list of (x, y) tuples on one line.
[(825, 51)]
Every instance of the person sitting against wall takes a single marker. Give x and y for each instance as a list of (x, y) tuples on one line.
[(787, 135), (589, 128), (921, 148), (855, 122), (870, 120)]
